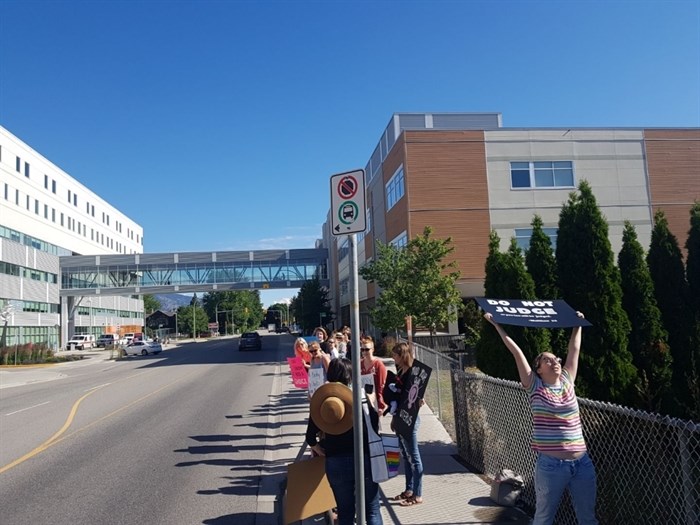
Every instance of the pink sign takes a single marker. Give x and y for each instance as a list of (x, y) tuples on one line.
[(299, 375)]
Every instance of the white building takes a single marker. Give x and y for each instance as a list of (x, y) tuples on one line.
[(45, 213)]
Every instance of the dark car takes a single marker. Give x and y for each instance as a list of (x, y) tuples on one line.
[(250, 341)]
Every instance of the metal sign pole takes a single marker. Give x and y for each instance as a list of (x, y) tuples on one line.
[(357, 386), (349, 217)]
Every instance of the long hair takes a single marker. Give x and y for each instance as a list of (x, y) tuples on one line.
[(404, 351)]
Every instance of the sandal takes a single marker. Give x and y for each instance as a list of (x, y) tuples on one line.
[(406, 494), (413, 500)]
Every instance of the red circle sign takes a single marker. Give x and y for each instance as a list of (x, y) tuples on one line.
[(347, 187)]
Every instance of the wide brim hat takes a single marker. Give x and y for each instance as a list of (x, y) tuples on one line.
[(331, 408)]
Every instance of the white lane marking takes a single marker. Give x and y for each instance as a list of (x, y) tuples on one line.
[(96, 387), (28, 408)]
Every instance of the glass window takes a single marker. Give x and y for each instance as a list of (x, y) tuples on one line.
[(542, 174), (523, 235), (46, 182), (394, 188), (53, 186), (400, 240)]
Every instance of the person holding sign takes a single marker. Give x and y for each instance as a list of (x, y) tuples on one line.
[(301, 350), (331, 413), (557, 435), (408, 430)]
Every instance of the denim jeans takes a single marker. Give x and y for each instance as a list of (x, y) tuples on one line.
[(553, 476), (340, 471), (413, 466)]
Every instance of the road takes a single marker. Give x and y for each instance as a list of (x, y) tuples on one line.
[(177, 438)]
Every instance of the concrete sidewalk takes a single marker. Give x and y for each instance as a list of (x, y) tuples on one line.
[(451, 493)]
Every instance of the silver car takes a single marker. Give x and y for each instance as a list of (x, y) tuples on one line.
[(142, 348)]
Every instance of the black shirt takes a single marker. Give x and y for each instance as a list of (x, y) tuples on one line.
[(342, 444)]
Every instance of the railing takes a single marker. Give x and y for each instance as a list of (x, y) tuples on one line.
[(648, 465)]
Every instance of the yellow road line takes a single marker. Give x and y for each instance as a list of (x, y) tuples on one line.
[(56, 438)]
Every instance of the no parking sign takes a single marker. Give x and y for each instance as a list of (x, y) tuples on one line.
[(348, 214)]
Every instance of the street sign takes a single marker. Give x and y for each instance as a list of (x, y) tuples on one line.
[(348, 210)]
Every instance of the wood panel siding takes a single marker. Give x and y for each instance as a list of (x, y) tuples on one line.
[(447, 190), (673, 163), (396, 217)]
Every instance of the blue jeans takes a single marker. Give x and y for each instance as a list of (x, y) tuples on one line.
[(413, 466), (340, 471), (553, 476)]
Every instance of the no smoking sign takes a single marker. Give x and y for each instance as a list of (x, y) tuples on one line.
[(348, 213)]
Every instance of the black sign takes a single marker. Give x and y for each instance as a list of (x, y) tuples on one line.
[(539, 314), (411, 394)]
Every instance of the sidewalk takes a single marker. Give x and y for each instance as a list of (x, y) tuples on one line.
[(452, 494), (11, 376)]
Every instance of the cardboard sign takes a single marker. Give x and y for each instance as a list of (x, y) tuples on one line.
[(316, 380), (554, 313), (412, 391), (299, 375), (308, 490)]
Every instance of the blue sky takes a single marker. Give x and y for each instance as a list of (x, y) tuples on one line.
[(217, 124)]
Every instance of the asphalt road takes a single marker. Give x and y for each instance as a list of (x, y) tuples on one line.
[(176, 438)]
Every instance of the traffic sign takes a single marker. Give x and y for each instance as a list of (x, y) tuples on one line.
[(348, 210)]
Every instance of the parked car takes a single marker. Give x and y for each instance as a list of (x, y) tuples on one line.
[(143, 348), (107, 340), (81, 342), (250, 341)]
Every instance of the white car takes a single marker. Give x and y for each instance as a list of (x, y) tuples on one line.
[(142, 348)]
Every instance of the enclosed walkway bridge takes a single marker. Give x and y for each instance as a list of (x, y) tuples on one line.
[(86, 276), (151, 273)]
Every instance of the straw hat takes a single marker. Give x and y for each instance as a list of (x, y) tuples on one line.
[(331, 408)]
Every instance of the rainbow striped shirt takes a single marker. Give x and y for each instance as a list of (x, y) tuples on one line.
[(556, 424)]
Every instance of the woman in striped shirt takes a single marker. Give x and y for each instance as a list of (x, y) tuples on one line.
[(557, 436)]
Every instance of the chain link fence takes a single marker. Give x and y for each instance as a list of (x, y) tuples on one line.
[(648, 465)]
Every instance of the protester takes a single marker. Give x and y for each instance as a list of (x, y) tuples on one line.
[(322, 336), (318, 358), (413, 493), (557, 435), (301, 350), (372, 365), (341, 343), (331, 413)]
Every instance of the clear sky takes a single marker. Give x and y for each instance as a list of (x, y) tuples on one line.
[(217, 124)]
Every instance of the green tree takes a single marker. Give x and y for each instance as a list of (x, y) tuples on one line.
[(231, 309), (666, 267), (150, 304), (415, 281), (590, 282), (192, 320), (692, 271), (648, 341), (311, 306), (507, 278), (542, 266)]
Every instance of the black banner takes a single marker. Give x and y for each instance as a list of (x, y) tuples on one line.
[(411, 394), (539, 314)]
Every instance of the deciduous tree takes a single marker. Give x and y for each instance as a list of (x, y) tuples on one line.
[(415, 281), (311, 306)]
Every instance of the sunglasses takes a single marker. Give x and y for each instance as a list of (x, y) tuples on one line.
[(365, 348)]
